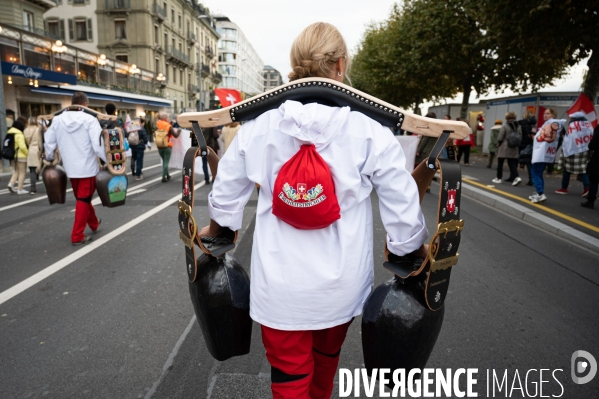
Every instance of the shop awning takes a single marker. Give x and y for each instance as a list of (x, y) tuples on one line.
[(98, 96), (63, 92), (158, 104), (134, 101)]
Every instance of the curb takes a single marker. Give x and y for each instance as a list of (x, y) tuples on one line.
[(532, 217)]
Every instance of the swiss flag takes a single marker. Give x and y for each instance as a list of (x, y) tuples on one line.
[(583, 104), (228, 97)]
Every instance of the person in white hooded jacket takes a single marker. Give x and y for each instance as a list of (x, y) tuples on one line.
[(308, 285), (77, 135)]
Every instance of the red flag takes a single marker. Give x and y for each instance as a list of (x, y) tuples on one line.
[(583, 104), (228, 97)]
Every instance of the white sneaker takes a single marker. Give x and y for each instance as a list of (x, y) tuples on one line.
[(496, 180), (11, 188), (21, 192), (517, 181), (538, 198)]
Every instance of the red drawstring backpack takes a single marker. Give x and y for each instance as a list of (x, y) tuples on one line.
[(304, 192)]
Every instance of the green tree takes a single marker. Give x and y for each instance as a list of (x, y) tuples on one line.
[(440, 47), (553, 34), (388, 65)]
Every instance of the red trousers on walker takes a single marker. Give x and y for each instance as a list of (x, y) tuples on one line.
[(303, 363), (84, 189)]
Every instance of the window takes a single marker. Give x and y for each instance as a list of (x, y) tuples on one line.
[(120, 29), (28, 21), (77, 2), (172, 15), (157, 65), (174, 74), (181, 76), (156, 34), (55, 29), (165, 40), (122, 57), (179, 21), (80, 29)]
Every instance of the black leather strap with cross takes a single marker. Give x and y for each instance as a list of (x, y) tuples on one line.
[(188, 228), (443, 247)]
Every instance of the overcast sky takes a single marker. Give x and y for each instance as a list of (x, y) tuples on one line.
[(271, 25)]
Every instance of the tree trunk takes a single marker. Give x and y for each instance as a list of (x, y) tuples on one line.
[(591, 81), (417, 105), (466, 90)]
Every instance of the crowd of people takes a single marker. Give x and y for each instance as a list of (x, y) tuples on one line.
[(557, 142)]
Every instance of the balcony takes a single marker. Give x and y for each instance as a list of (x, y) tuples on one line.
[(209, 52), (117, 4), (192, 88), (217, 77), (191, 37), (205, 71), (159, 12), (177, 55)]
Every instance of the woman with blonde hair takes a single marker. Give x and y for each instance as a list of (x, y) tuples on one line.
[(309, 282), (33, 139)]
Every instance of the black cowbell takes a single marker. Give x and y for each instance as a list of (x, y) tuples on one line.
[(55, 180), (398, 329), (221, 299)]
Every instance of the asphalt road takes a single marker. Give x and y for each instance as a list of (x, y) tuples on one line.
[(114, 319)]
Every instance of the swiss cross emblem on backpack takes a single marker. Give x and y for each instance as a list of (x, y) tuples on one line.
[(304, 192)]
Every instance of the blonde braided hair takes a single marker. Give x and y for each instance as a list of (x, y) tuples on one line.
[(316, 50)]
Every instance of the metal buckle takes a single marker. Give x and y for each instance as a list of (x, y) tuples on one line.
[(444, 228), (186, 210)]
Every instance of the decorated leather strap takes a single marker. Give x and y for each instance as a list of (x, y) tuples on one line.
[(189, 230), (443, 247), (114, 145)]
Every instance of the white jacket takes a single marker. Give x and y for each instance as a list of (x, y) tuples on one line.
[(315, 279), (77, 135)]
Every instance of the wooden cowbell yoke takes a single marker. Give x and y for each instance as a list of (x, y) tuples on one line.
[(392, 337), (111, 180)]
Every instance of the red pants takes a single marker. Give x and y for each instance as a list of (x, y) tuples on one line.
[(303, 363), (84, 189)]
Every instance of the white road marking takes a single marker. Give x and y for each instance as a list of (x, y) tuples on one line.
[(61, 264), (171, 358), (26, 183), (45, 196), (141, 190)]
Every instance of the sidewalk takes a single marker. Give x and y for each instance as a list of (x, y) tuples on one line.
[(560, 214)]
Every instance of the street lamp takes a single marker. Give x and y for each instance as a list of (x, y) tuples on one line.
[(59, 48), (134, 70), (200, 66), (102, 59)]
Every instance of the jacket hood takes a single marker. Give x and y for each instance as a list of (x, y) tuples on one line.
[(13, 130), (312, 123), (71, 121)]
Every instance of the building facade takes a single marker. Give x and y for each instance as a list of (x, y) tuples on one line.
[(74, 22), (238, 62), (175, 38), (272, 78), (27, 15)]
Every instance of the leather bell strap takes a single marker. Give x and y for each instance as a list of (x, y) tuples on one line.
[(444, 244), (189, 230), (443, 247)]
